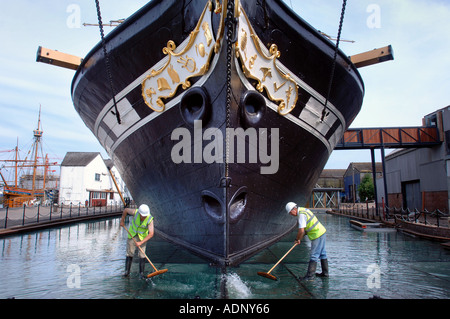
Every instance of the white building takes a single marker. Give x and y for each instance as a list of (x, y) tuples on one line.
[(85, 179)]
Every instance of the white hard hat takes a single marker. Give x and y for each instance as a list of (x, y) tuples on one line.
[(144, 210), (290, 206)]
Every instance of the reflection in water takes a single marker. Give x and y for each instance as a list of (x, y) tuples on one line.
[(86, 261)]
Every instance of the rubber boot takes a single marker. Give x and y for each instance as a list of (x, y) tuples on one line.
[(311, 274), (324, 264), (128, 262), (141, 267)]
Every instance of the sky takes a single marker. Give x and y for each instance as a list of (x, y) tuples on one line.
[(398, 93)]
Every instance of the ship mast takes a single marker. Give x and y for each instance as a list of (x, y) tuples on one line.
[(15, 165), (15, 196), (37, 138)]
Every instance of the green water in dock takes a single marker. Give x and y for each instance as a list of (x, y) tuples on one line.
[(87, 260)]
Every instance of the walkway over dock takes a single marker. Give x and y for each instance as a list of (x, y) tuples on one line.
[(382, 138), (401, 137)]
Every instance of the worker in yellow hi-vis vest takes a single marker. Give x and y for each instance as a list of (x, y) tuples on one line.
[(309, 225), (141, 229)]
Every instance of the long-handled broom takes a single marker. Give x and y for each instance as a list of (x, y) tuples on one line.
[(267, 274), (156, 272)]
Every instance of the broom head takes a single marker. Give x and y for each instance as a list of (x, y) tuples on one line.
[(156, 273), (267, 275)]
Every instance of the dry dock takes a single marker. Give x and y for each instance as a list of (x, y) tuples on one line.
[(86, 260)]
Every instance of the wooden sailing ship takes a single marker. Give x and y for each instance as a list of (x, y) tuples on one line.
[(31, 182)]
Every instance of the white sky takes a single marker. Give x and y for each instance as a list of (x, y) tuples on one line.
[(398, 93)]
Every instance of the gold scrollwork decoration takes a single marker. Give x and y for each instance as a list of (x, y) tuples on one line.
[(192, 60), (262, 67)]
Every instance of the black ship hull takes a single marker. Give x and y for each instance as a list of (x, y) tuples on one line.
[(203, 139)]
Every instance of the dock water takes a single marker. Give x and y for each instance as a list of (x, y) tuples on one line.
[(86, 260)]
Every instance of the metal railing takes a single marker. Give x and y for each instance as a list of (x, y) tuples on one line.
[(26, 215), (362, 210), (368, 211), (436, 217)]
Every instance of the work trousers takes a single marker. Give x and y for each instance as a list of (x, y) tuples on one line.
[(318, 250), (131, 247)]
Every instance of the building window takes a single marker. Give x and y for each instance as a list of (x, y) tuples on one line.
[(97, 177), (99, 195)]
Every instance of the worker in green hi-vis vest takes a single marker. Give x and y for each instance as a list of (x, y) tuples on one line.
[(309, 225), (141, 229)]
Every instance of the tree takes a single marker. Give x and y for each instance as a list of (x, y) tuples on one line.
[(366, 188)]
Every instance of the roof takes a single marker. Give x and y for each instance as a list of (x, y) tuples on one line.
[(79, 158), (439, 110), (363, 168), (333, 173)]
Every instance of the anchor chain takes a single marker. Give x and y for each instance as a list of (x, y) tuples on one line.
[(107, 63), (231, 37), (333, 66)]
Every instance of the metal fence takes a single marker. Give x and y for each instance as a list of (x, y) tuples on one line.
[(362, 210), (368, 211), (436, 217), (26, 215)]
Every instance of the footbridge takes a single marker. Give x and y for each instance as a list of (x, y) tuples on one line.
[(390, 137), (401, 137)]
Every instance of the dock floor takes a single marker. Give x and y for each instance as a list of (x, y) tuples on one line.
[(86, 260)]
